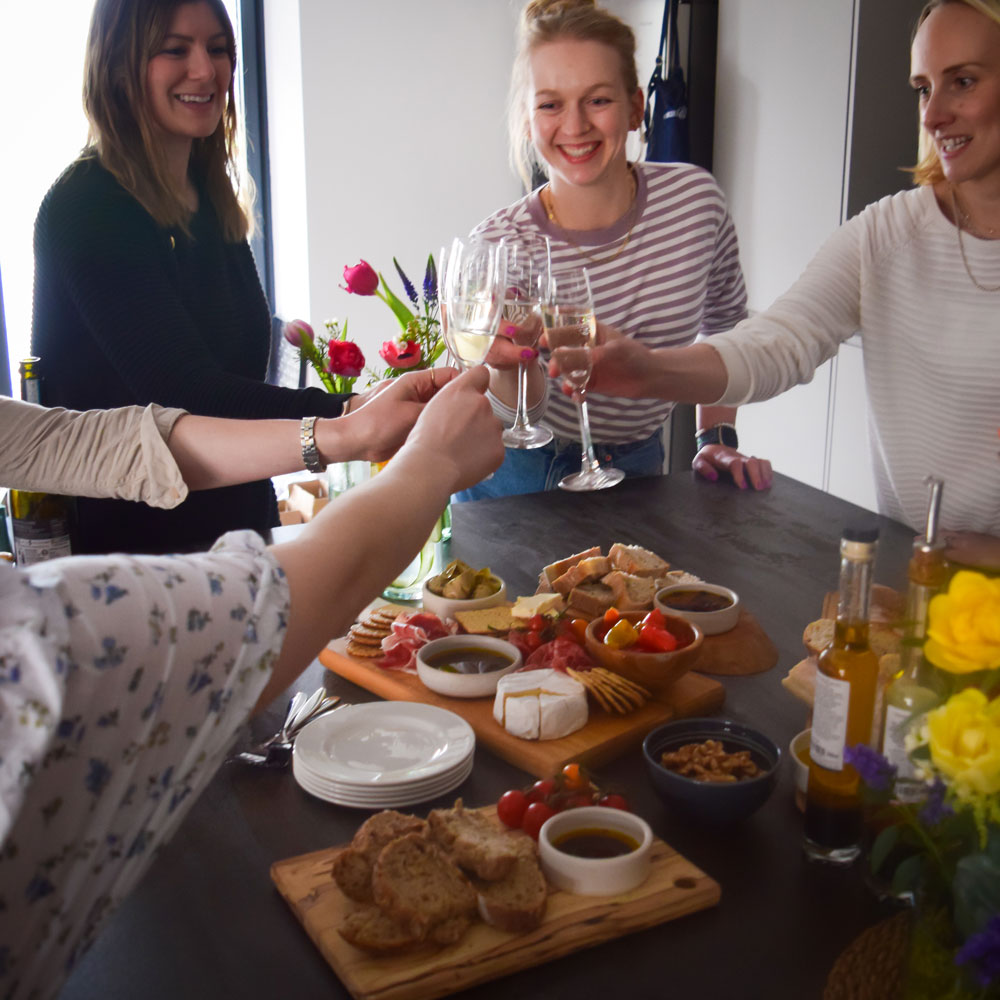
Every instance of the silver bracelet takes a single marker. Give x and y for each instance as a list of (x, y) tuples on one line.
[(307, 438)]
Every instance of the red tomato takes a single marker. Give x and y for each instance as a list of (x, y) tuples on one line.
[(656, 640), (655, 618), (575, 800), (534, 816), (541, 790), (532, 640), (510, 808), (536, 623), (613, 801)]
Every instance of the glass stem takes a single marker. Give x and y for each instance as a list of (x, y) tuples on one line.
[(588, 458), (521, 418)]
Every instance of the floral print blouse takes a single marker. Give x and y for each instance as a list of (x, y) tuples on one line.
[(123, 680)]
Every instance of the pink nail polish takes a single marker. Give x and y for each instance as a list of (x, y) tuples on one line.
[(529, 354), (510, 330)]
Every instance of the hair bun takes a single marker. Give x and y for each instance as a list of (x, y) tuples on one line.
[(538, 9)]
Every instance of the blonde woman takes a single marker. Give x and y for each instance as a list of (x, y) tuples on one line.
[(656, 239), (145, 287), (918, 274)]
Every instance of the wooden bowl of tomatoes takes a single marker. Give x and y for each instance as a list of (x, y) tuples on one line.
[(648, 647)]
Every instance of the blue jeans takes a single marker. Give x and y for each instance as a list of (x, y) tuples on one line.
[(536, 469)]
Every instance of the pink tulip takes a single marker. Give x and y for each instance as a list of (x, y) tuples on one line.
[(296, 329), (361, 279), (401, 353), (345, 358)]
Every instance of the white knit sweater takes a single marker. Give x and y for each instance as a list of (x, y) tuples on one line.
[(931, 344)]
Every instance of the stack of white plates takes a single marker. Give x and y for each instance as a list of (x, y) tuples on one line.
[(383, 755)]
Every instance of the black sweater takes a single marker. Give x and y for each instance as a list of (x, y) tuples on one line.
[(126, 311)]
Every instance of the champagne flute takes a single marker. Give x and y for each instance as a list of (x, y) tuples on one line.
[(472, 299), (527, 259), (571, 329)]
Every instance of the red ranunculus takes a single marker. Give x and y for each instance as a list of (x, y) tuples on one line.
[(296, 329), (401, 353), (345, 358), (361, 279)]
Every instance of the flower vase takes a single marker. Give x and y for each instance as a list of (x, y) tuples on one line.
[(430, 561), (341, 476)]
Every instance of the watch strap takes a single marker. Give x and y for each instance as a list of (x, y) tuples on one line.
[(307, 438)]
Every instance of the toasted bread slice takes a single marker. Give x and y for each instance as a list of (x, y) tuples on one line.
[(518, 902), (593, 599), (352, 868), (371, 929), (352, 871), (591, 568), (486, 621), (553, 570), (630, 593), (476, 843), (414, 882), (636, 560), (818, 634)]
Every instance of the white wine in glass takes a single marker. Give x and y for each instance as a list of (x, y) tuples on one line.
[(571, 329), (472, 299)]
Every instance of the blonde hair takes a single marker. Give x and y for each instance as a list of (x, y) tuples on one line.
[(548, 21), (928, 169), (124, 35)]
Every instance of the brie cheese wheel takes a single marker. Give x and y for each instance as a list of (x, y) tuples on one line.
[(540, 704)]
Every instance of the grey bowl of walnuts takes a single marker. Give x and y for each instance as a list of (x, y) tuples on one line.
[(713, 770)]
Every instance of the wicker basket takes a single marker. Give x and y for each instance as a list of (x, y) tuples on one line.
[(873, 966)]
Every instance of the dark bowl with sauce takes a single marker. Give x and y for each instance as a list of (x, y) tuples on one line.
[(712, 608), (466, 666), (712, 802)]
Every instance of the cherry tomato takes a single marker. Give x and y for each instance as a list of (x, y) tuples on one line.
[(532, 640), (534, 816), (613, 801), (611, 616), (541, 790), (536, 623), (655, 618), (575, 801), (574, 778), (510, 808), (656, 640)]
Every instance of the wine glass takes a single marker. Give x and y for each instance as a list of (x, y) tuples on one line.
[(527, 259), (471, 298), (571, 329)]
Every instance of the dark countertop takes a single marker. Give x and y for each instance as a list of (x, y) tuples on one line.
[(207, 922)]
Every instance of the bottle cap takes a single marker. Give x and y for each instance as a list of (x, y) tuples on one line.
[(866, 533)]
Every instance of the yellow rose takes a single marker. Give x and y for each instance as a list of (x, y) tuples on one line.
[(963, 628), (965, 742)]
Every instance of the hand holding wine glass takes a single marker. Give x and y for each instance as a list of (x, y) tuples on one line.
[(571, 331), (472, 286)]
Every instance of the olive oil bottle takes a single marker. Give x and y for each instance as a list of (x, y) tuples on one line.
[(40, 522), (843, 711), (918, 686)]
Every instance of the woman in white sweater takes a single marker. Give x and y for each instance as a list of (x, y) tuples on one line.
[(918, 275)]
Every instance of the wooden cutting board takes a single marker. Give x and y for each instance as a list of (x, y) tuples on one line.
[(745, 649), (675, 887), (603, 738)]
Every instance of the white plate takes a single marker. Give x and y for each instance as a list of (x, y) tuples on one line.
[(389, 799), (385, 743)]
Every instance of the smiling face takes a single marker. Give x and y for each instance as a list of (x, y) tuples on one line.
[(955, 70), (580, 111), (188, 77)]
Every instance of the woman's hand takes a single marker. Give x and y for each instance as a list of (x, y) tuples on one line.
[(714, 459), (621, 366), (513, 345), (973, 549), (382, 416)]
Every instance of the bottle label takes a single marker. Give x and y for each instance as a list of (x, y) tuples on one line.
[(909, 787), (829, 726), (36, 541)]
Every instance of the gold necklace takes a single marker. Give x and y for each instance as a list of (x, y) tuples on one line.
[(959, 217), (550, 210)]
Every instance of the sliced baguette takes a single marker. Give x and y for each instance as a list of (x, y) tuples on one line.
[(818, 634), (352, 868), (476, 843), (630, 593), (593, 599), (517, 903), (553, 570), (636, 560), (592, 568)]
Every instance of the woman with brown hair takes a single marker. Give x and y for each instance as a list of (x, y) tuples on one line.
[(917, 274), (656, 239), (145, 287)]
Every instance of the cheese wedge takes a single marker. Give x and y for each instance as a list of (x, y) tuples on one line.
[(540, 704), (537, 604)]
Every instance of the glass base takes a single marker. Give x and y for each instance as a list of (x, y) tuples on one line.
[(527, 437), (599, 479), (839, 856)]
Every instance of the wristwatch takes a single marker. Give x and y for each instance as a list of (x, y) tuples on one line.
[(307, 438), (719, 434)]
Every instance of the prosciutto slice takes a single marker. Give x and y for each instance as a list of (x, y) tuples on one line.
[(410, 631)]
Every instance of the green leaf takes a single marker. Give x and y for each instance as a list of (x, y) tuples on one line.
[(400, 309), (908, 875), (977, 892), (883, 845)]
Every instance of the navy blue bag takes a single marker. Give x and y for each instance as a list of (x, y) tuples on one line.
[(666, 116)]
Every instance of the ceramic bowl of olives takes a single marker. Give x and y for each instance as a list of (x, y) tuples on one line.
[(462, 588), (712, 608), (466, 666)]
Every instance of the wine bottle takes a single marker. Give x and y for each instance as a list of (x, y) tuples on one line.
[(6, 549), (40, 522), (843, 710), (918, 686)]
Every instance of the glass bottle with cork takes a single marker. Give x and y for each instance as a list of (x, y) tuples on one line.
[(843, 710), (918, 686), (40, 522)]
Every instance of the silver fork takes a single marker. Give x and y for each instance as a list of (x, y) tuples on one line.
[(277, 750)]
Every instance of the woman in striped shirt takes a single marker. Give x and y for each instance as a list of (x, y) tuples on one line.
[(655, 238)]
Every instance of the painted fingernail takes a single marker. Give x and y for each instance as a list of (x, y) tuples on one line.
[(529, 354), (510, 330)]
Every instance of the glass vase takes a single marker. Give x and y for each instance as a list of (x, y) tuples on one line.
[(430, 561)]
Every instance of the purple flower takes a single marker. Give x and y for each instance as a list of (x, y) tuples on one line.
[(430, 281), (411, 292), (935, 808), (876, 772), (982, 951)]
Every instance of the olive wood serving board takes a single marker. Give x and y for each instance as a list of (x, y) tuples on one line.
[(674, 887), (603, 738), (745, 649)]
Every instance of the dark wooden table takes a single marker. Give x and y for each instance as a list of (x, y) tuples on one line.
[(207, 922)]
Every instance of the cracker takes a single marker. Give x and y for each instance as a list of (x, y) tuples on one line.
[(365, 652), (360, 632)]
